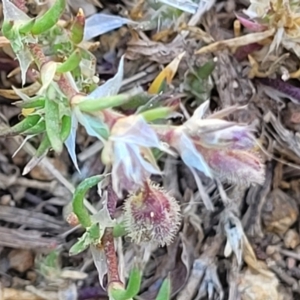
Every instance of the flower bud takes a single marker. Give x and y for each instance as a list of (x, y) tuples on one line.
[(235, 165), (151, 215)]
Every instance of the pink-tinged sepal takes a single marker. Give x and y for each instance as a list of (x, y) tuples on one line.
[(236, 166)]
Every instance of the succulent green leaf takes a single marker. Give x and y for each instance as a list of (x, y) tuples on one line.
[(36, 129), (50, 18), (53, 122), (91, 105), (26, 28), (133, 286), (165, 290), (32, 103), (41, 152), (71, 63), (157, 113), (81, 245), (78, 197), (66, 125), (22, 126), (8, 29), (77, 28)]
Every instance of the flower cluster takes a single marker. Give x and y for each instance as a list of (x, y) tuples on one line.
[(206, 143)]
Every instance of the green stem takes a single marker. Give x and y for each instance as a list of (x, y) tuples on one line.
[(91, 105), (78, 197), (132, 288)]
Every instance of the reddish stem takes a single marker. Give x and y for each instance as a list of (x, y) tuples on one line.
[(111, 258), (108, 243), (62, 81)]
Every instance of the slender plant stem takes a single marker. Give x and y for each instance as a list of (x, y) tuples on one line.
[(62, 81), (109, 245)]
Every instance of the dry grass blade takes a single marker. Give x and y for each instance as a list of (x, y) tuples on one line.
[(30, 91), (236, 42)]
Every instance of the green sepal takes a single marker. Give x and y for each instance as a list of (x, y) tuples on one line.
[(157, 113), (44, 147), (79, 246), (119, 230)]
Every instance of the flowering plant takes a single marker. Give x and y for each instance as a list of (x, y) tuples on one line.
[(69, 96)]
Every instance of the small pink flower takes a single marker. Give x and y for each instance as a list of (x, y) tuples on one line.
[(216, 147), (128, 152)]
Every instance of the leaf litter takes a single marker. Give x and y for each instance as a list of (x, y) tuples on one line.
[(229, 53)]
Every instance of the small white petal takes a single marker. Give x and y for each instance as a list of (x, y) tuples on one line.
[(24, 57), (191, 156), (112, 86), (100, 262), (13, 13), (93, 126), (101, 23)]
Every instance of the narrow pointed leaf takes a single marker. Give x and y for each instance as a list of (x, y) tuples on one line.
[(165, 290), (53, 128), (71, 63), (41, 152), (22, 126), (133, 286), (111, 86)]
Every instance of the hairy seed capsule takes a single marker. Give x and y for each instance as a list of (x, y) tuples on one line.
[(152, 215)]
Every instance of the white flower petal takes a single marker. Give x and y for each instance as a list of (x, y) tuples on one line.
[(93, 126), (112, 86), (138, 132), (100, 262), (200, 112), (191, 156), (101, 23), (24, 57), (13, 13)]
